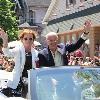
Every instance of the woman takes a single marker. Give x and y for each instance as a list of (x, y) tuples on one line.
[(25, 57)]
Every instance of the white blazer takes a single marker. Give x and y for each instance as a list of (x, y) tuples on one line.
[(19, 57)]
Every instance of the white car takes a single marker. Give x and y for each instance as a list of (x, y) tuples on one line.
[(64, 83)]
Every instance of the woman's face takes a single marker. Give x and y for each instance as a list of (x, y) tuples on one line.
[(27, 41)]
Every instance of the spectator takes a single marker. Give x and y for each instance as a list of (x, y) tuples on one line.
[(1, 60), (78, 53)]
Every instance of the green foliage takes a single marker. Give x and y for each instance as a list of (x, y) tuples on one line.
[(91, 77), (84, 75), (97, 90), (8, 19)]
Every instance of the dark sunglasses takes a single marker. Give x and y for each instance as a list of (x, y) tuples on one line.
[(28, 39)]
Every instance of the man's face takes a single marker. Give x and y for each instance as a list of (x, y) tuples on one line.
[(52, 42)]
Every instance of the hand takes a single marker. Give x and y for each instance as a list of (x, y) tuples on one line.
[(87, 26), (3, 34), (4, 37)]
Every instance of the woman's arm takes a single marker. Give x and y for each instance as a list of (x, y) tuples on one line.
[(7, 52)]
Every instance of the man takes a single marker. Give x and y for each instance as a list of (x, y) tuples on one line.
[(56, 54)]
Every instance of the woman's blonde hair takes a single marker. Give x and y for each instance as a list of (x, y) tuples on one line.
[(27, 31)]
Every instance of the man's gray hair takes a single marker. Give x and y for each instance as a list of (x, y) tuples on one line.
[(51, 34)]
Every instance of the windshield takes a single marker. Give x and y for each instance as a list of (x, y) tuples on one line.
[(68, 85)]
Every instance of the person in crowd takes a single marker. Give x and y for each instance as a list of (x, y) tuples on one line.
[(71, 59), (1, 60), (25, 58), (8, 64), (87, 62), (79, 55), (56, 54), (5, 63), (96, 61)]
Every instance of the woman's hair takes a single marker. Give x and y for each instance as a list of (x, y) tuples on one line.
[(27, 31)]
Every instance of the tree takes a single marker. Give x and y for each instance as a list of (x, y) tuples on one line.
[(8, 19)]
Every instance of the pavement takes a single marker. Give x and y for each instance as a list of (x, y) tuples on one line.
[(4, 76)]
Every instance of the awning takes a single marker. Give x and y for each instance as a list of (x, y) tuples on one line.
[(24, 25)]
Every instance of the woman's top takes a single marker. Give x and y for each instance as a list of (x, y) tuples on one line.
[(28, 64), (19, 58)]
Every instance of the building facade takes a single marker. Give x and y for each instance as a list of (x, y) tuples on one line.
[(67, 18), (32, 12)]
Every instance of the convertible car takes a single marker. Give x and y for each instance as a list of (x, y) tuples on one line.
[(64, 83)]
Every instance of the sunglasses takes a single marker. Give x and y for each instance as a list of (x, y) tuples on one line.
[(30, 39), (54, 41)]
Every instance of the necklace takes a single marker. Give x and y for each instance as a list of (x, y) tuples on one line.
[(28, 53)]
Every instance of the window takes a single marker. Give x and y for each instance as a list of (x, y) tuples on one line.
[(67, 6), (82, 0), (70, 2), (31, 17)]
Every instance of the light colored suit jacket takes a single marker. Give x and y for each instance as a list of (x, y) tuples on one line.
[(19, 57)]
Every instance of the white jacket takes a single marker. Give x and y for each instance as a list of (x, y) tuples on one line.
[(19, 57)]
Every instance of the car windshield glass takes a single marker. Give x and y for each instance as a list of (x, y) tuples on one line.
[(68, 85)]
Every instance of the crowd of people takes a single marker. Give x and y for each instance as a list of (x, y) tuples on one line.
[(6, 63), (24, 56), (74, 59), (77, 58)]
